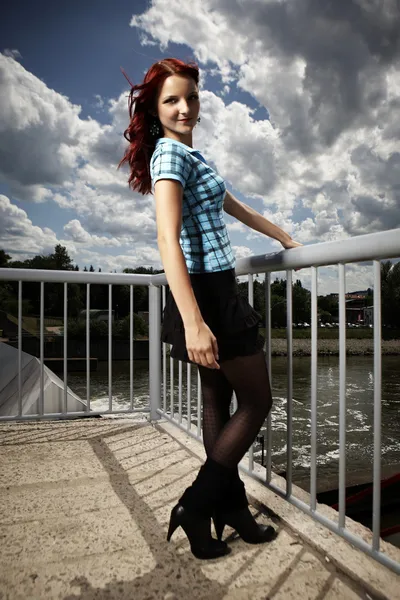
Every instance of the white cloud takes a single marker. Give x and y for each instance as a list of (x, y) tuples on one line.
[(99, 101), (326, 166), (332, 95), (21, 239), (77, 233), (141, 257), (241, 252), (12, 53), (244, 150), (73, 163), (43, 139), (19, 236)]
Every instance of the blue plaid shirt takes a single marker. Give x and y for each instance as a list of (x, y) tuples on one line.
[(204, 238)]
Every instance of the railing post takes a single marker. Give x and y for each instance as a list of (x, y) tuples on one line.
[(155, 351)]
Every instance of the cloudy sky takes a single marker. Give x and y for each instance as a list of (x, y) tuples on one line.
[(300, 107)]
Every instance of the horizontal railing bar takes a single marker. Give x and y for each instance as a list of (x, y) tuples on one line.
[(361, 248), (74, 277), (67, 416)]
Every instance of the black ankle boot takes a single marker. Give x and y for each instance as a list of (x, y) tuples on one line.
[(196, 506), (198, 531), (208, 489), (233, 510)]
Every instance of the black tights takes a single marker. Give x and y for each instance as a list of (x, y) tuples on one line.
[(227, 438)]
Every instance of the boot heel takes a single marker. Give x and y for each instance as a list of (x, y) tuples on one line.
[(173, 524), (245, 525), (198, 532), (219, 525)]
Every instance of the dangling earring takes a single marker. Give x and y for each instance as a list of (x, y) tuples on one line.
[(155, 129), (199, 119)]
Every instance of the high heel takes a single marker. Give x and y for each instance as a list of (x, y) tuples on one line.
[(198, 531), (244, 524), (219, 524)]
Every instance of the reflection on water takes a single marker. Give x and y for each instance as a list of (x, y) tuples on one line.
[(99, 393), (359, 414), (359, 410)]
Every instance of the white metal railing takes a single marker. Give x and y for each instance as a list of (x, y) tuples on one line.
[(70, 277), (371, 247)]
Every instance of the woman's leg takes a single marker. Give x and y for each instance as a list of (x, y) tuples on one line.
[(248, 376), (217, 397), (217, 393)]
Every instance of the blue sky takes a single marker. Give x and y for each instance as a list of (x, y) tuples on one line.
[(301, 127), (75, 47)]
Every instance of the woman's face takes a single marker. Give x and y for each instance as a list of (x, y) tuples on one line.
[(178, 107)]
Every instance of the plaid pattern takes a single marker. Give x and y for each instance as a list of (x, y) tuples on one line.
[(204, 238)]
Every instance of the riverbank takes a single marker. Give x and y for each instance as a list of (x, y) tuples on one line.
[(331, 347)]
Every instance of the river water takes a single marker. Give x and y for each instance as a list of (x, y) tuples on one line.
[(359, 413)]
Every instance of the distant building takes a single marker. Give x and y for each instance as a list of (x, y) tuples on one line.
[(369, 315), (351, 295), (355, 306)]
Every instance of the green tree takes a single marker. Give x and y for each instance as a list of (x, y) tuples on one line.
[(328, 308), (140, 292), (99, 329), (4, 259), (61, 259), (390, 292), (301, 303), (6, 291), (121, 328), (278, 311), (54, 293), (259, 297), (278, 287)]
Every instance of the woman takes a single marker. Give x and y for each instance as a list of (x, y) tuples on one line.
[(205, 319)]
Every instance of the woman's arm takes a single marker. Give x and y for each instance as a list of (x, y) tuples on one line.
[(168, 195), (253, 219), (201, 343)]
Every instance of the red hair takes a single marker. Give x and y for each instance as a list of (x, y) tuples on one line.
[(142, 100)]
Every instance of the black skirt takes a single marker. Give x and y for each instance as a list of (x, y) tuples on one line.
[(228, 314)]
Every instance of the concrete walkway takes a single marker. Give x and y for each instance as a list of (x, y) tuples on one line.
[(84, 509)]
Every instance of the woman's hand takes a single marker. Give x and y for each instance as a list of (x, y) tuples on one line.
[(201, 345), (289, 243)]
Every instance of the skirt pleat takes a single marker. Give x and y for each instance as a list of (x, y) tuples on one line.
[(229, 315)]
